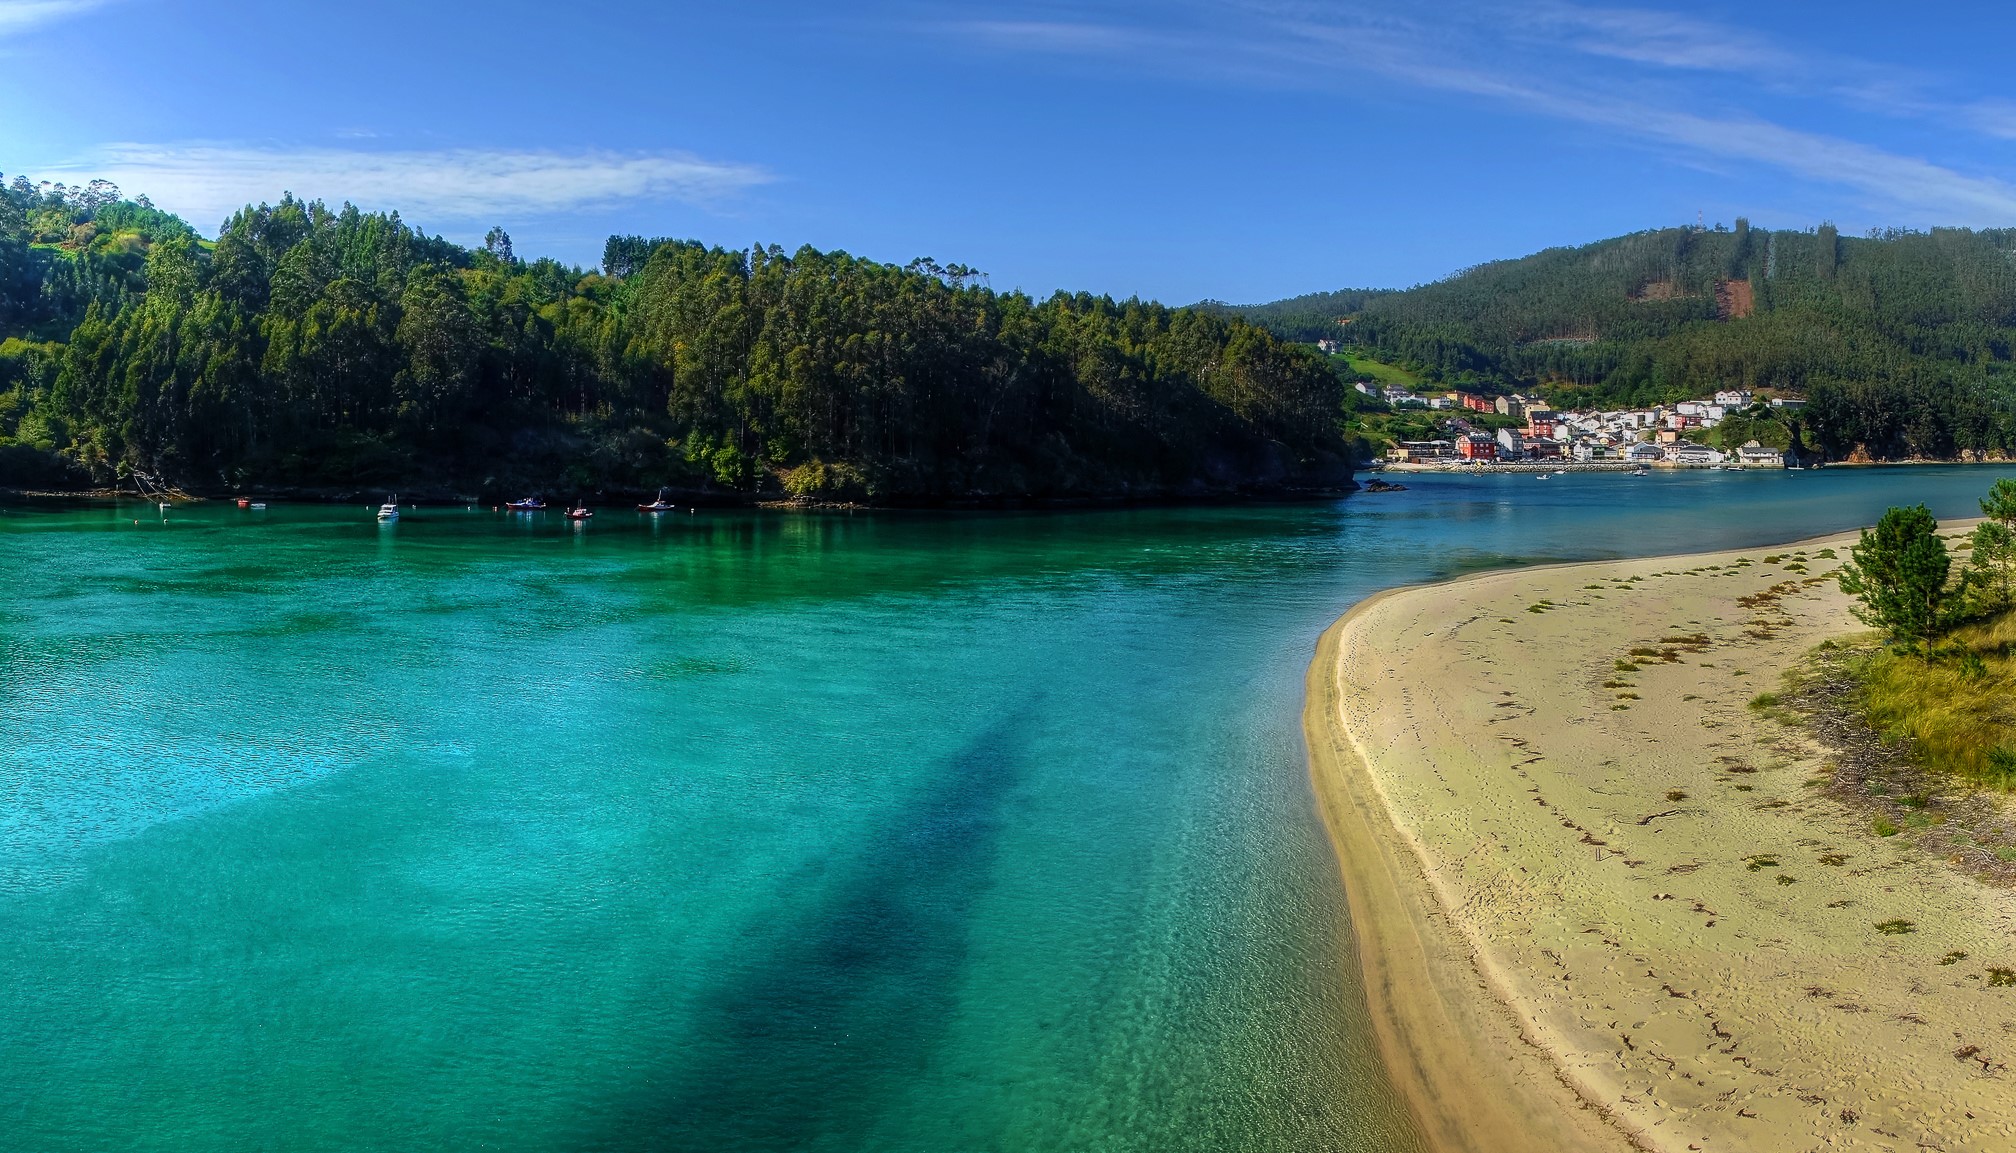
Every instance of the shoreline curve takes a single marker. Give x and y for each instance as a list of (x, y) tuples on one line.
[(1457, 1054)]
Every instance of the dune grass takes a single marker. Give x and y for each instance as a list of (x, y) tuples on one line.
[(1956, 701)]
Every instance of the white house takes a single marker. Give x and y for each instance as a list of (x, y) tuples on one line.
[(1401, 398), (1643, 453), (1755, 455), (1511, 445), (1371, 390), (1788, 403), (1694, 455), (1734, 398)]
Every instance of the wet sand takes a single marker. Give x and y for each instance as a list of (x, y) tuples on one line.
[(1601, 907)]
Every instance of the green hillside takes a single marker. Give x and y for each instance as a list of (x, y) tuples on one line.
[(311, 348), (1905, 343)]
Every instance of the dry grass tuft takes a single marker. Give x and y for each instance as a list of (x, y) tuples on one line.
[(1956, 703)]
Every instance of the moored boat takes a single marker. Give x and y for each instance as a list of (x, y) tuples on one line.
[(389, 510), (659, 505), (529, 504), (580, 512)]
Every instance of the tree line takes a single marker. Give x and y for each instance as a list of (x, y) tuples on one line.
[(315, 347)]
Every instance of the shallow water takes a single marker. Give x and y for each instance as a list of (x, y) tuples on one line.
[(721, 831)]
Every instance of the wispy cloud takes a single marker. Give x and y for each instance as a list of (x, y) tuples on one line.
[(1919, 186), (1649, 76), (206, 182), (1664, 39), (18, 16)]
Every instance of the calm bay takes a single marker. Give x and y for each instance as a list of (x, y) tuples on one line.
[(721, 830)]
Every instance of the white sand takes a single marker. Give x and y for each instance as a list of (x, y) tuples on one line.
[(1560, 956)]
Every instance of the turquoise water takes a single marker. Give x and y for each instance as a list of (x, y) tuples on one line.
[(727, 831)]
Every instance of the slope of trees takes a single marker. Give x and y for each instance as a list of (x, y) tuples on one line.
[(318, 348), (1306, 318), (1905, 342)]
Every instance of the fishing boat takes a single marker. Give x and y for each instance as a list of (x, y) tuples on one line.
[(1641, 472), (658, 505), (389, 510), (580, 512), (529, 504)]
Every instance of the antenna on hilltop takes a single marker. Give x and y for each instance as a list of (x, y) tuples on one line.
[(1700, 221)]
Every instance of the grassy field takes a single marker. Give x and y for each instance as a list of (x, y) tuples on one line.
[(1379, 372), (1957, 702)]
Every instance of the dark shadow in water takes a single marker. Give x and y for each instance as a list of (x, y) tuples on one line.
[(801, 1045)]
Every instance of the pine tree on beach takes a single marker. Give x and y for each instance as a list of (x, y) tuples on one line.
[(1899, 574)]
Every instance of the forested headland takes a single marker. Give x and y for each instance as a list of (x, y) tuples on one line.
[(1903, 342), (314, 349)]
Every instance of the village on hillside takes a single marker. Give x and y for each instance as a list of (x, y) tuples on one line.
[(1634, 438)]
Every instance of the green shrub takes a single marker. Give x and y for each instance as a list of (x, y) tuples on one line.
[(1899, 574), (817, 480)]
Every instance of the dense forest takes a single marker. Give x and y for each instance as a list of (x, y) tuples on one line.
[(1904, 342), (307, 348)]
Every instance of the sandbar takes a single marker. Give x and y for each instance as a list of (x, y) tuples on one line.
[(1601, 903)]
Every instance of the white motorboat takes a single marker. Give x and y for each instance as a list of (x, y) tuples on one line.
[(389, 510)]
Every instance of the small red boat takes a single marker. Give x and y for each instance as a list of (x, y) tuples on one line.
[(579, 513)]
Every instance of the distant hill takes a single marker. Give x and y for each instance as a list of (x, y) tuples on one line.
[(1306, 318), (332, 350), (1904, 342)]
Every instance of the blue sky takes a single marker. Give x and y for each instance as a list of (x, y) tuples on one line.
[(1237, 149)]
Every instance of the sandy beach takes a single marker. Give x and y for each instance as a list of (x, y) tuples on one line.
[(1601, 903)]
